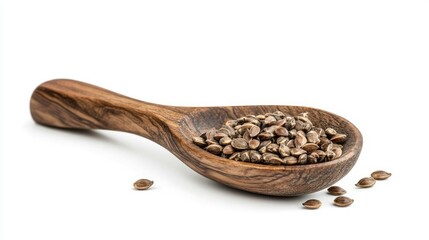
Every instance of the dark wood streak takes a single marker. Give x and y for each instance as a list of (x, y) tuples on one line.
[(71, 104)]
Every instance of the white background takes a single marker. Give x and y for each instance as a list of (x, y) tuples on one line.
[(364, 60)]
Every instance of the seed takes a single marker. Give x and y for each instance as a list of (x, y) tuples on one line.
[(281, 131), (239, 143), (339, 138), (290, 123), (313, 137), (312, 204), (265, 136), (252, 119), (380, 175), (310, 147), (270, 120), (225, 141), (302, 159), (338, 152), (273, 148), (228, 150), (330, 155), (254, 143), (199, 141), (143, 184), (271, 158), (343, 201), (254, 131), (235, 156), (297, 151), (245, 156), (281, 140), (366, 182), (291, 160), (219, 135), (215, 149), (312, 157), (300, 139), (255, 156), (284, 150), (336, 191), (330, 132)]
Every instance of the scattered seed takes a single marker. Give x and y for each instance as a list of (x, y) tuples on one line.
[(365, 182), (336, 191), (380, 175), (312, 204), (343, 201), (143, 184)]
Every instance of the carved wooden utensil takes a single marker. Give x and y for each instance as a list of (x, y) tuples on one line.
[(71, 104)]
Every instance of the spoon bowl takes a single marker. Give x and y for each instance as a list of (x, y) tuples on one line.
[(66, 103)]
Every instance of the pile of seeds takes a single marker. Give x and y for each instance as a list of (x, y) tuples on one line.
[(273, 138)]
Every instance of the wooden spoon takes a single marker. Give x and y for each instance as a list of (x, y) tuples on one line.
[(71, 104)]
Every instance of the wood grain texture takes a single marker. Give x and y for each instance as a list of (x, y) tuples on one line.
[(71, 104)]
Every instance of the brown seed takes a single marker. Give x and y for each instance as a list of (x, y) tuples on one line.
[(291, 160), (225, 141), (300, 125), (260, 117), (252, 119), (330, 132), (271, 158), (284, 150), (292, 133), (365, 182), (281, 140), (219, 135), (254, 143), (282, 132), (338, 152), (312, 158), (339, 138), (254, 131), (271, 129), (300, 139), (143, 184), (270, 120), (246, 136), (235, 156), (265, 136), (228, 150), (199, 141), (290, 143), (302, 159), (312, 204), (343, 201), (380, 175), (336, 191), (245, 156), (313, 137), (273, 148), (330, 155), (290, 123), (297, 151), (239, 143), (280, 122), (310, 147), (255, 156), (215, 149)]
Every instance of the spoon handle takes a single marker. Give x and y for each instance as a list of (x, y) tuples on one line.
[(76, 105)]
